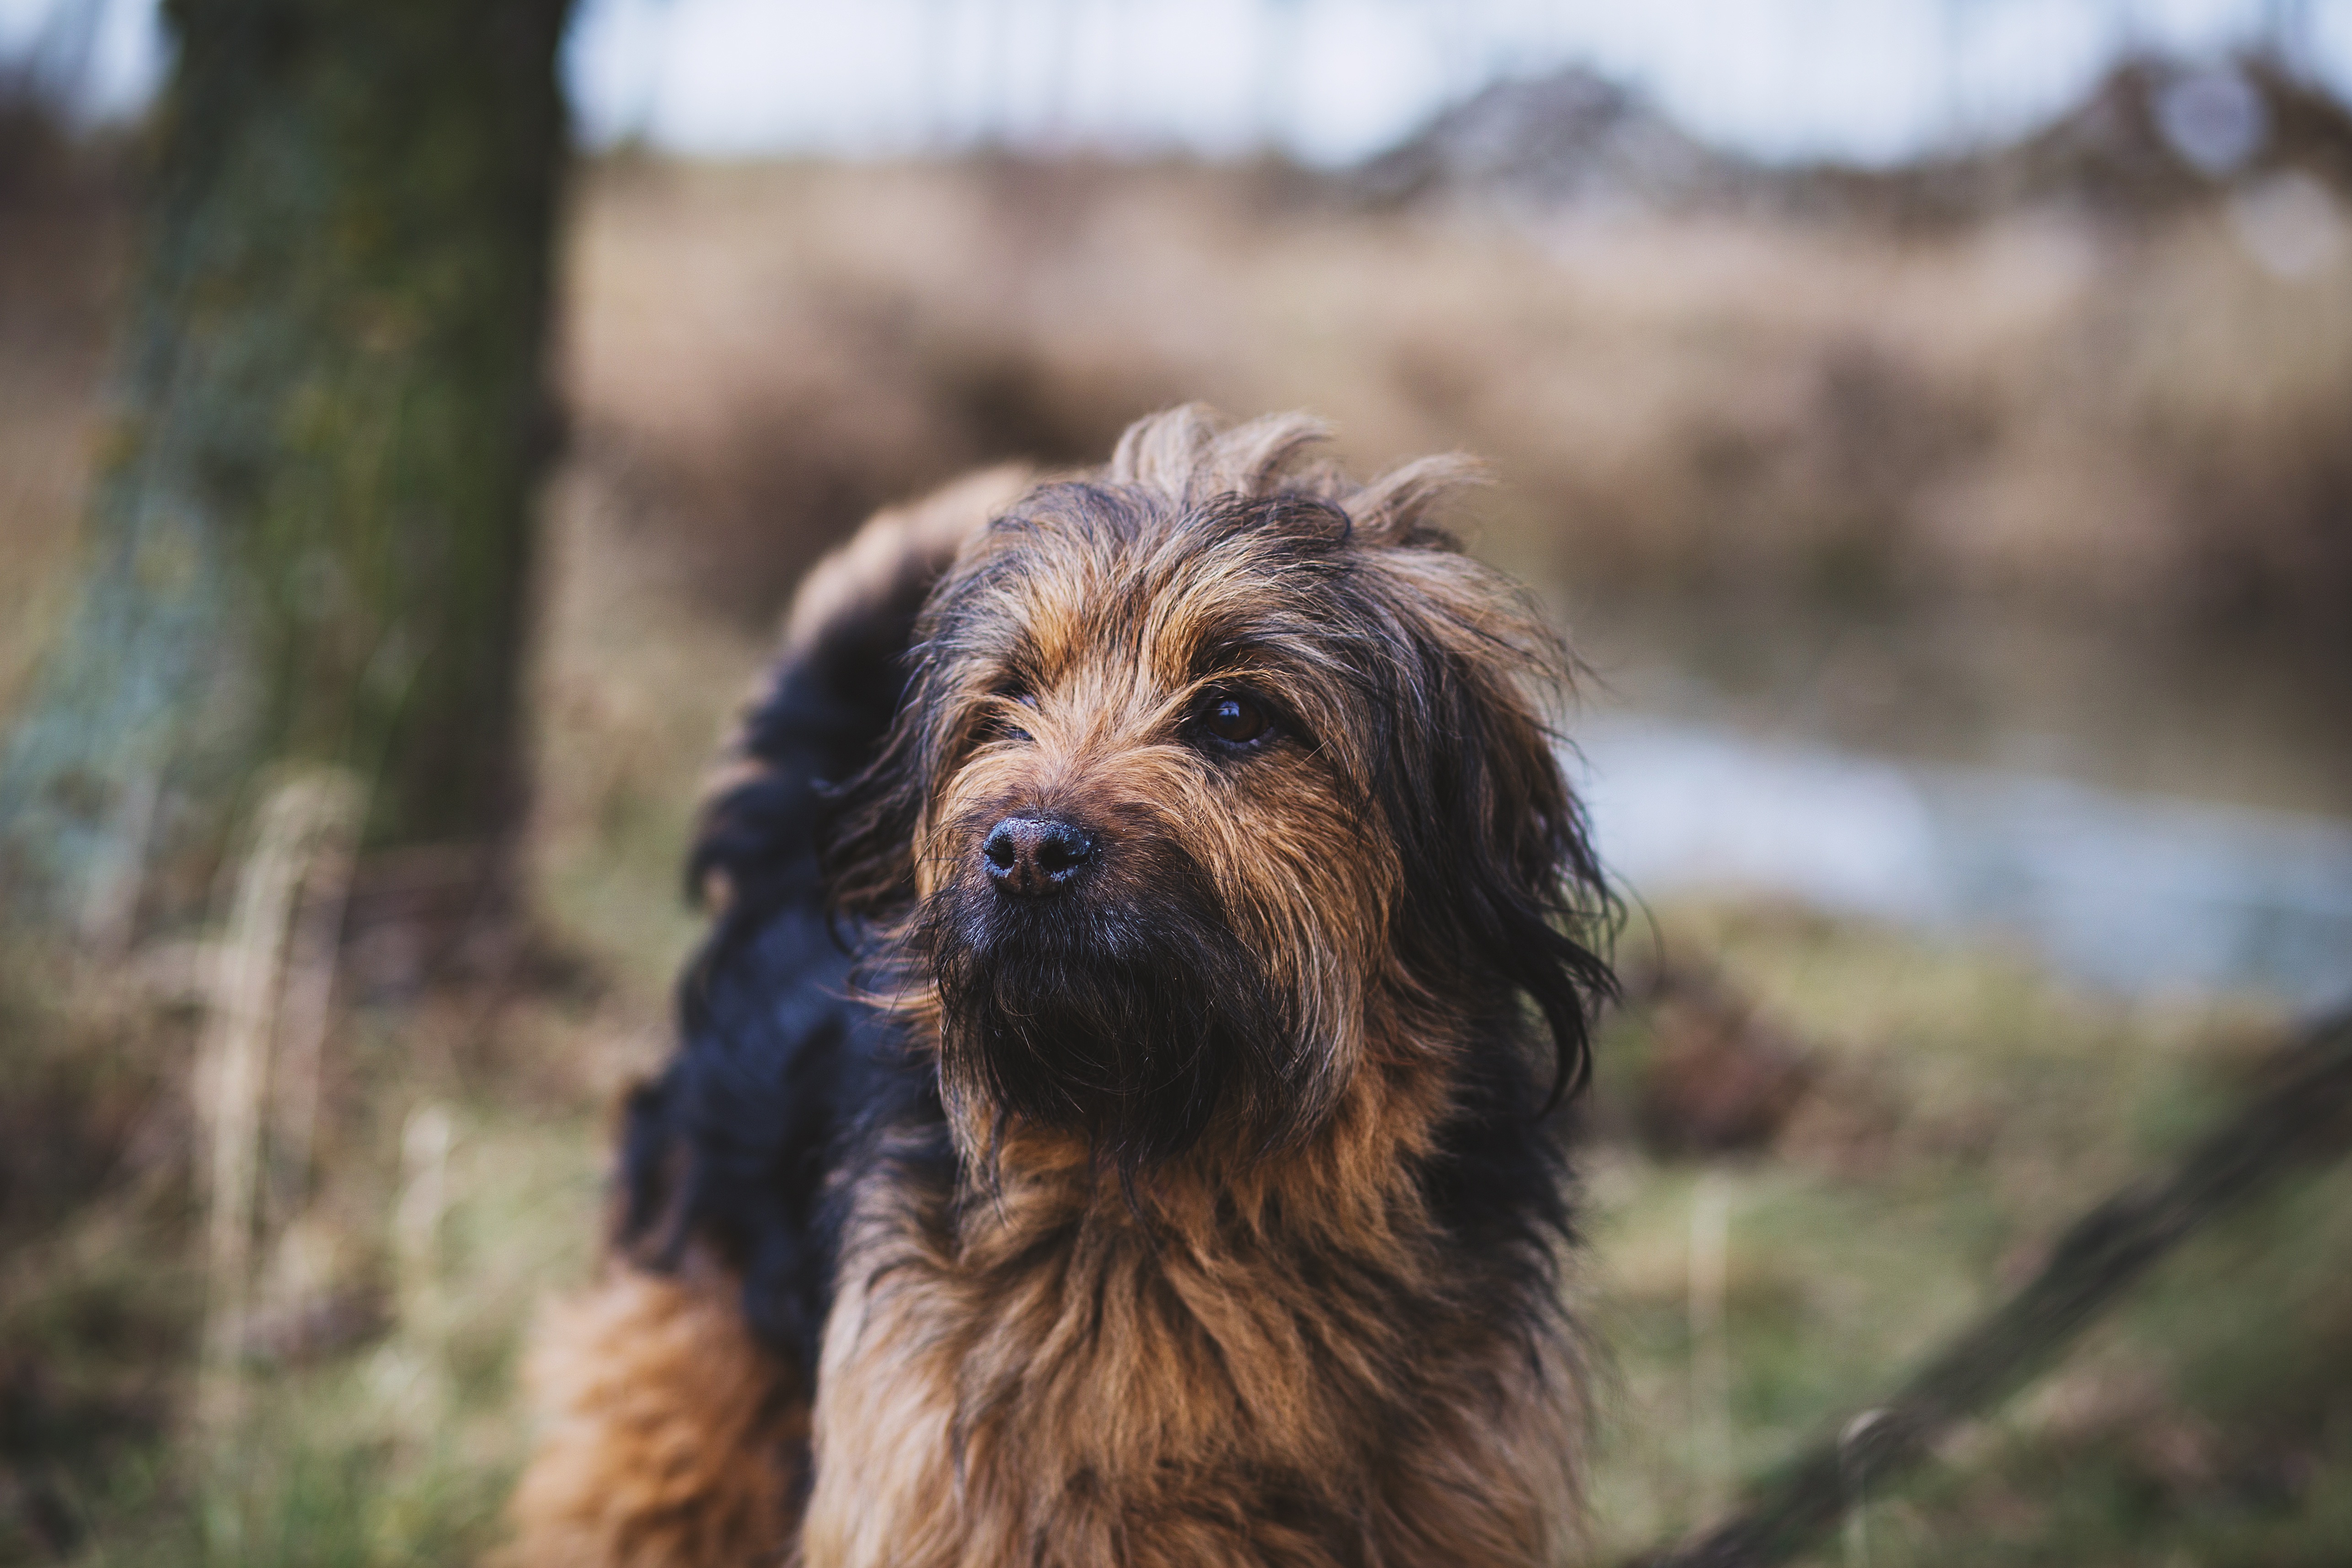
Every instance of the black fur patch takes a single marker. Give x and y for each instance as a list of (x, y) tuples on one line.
[(782, 1076)]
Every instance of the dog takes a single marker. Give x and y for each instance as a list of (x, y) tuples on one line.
[(1113, 1118)]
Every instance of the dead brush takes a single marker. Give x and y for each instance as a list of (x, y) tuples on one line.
[(273, 972)]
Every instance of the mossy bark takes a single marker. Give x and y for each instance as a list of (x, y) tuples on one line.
[(309, 538)]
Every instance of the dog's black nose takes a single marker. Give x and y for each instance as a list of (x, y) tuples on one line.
[(1033, 856)]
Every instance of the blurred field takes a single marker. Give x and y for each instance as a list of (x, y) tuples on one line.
[(2129, 421), (67, 234), (2128, 418)]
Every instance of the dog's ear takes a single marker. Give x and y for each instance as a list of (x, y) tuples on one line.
[(1503, 893)]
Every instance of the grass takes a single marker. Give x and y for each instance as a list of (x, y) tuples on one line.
[(1964, 1108), (756, 354), (2128, 418)]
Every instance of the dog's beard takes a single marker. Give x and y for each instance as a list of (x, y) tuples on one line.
[(1139, 1021)]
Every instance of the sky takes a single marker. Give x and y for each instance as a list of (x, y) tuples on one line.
[(1326, 81)]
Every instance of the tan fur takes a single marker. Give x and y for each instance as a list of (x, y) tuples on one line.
[(898, 546), (1040, 1367), (1065, 1382), (667, 1439), (1044, 1371), (1186, 456)]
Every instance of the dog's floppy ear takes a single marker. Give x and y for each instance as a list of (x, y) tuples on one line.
[(1502, 890)]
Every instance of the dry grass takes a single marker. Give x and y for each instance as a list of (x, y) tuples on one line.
[(756, 354), (2134, 419), (2077, 413)]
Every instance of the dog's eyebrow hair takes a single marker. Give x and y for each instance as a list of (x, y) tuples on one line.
[(1019, 661), (1288, 650)]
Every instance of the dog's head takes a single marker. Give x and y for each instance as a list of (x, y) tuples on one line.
[(1215, 781)]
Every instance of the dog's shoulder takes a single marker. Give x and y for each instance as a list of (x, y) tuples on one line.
[(784, 1070)]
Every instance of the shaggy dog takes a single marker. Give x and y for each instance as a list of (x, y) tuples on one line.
[(1111, 1121)]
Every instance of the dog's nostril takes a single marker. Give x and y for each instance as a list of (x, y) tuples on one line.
[(1032, 855), (1060, 851), (1002, 849)]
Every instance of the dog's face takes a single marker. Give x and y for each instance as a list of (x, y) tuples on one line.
[(1202, 806)]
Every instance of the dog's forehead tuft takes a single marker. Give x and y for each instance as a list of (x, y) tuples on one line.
[(1086, 574)]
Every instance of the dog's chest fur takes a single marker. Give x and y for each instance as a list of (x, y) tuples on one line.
[(1041, 1374)]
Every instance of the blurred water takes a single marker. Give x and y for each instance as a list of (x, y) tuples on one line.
[(2144, 895)]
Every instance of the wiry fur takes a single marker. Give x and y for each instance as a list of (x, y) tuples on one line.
[(667, 1434), (1207, 1212)]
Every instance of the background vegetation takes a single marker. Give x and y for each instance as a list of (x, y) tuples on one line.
[(1816, 1146)]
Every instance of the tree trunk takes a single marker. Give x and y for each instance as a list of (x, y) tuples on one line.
[(310, 537)]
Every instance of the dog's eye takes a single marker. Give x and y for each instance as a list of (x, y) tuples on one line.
[(1233, 718)]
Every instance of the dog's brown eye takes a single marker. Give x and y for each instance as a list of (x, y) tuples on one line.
[(1233, 719)]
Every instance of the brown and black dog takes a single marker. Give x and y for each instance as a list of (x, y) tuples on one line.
[(1112, 1121)]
